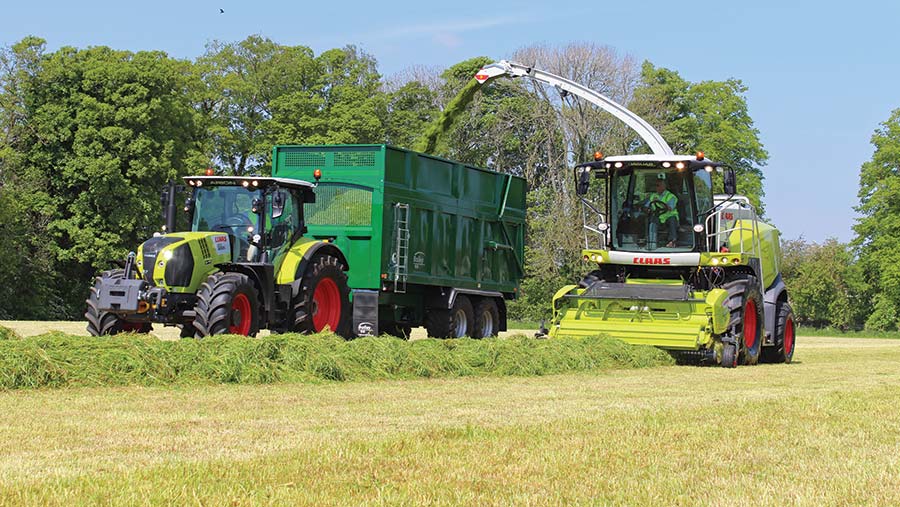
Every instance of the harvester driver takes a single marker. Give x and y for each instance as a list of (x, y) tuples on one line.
[(665, 206)]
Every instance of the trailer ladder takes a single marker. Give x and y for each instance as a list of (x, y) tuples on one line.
[(401, 244)]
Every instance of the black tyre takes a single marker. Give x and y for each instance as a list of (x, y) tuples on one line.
[(729, 355), (783, 351), (188, 330), (227, 303), (453, 323), (100, 323), (324, 298), (486, 319), (746, 306)]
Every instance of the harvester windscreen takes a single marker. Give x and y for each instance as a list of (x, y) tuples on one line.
[(655, 210)]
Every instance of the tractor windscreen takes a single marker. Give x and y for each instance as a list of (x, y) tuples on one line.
[(655, 209), (226, 209)]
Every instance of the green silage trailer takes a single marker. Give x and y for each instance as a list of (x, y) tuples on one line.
[(427, 241)]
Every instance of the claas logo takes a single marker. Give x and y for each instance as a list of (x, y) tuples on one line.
[(652, 260)]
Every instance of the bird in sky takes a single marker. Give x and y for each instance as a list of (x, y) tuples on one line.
[(221, 11)]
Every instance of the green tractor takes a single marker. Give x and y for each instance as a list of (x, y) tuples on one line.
[(245, 265), (676, 266)]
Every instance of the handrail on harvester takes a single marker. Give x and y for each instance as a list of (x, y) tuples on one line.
[(654, 140)]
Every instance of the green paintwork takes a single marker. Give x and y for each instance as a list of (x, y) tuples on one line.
[(466, 225), (676, 325), (769, 246), (204, 265)]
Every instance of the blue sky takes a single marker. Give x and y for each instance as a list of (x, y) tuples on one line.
[(822, 75)]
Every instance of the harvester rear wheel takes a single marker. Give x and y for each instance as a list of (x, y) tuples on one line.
[(227, 303), (324, 298), (729, 355), (783, 351), (453, 323), (746, 306), (100, 323)]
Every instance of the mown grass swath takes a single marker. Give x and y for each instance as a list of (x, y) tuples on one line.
[(56, 359)]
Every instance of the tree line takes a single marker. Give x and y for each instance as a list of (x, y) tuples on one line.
[(88, 137)]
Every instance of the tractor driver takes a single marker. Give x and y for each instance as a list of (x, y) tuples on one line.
[(669, 217)]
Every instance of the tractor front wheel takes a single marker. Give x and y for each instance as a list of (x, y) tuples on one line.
[(227, 303), (102, 323)]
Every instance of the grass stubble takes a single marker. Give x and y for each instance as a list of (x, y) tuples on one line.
[(822, 431)]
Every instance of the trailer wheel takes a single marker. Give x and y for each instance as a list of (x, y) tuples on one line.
[(101, 323), (227, 303), (783, 351), (487, 319), (746, 323), (324, 298), (453, 323)]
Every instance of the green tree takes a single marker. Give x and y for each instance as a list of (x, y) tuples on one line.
[(878, 229), (826, 284), (709, 116), (100, 131)]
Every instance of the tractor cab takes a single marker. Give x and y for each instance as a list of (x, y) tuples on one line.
[(261, 217)]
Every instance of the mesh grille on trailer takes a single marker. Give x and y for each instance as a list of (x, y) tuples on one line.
[(354, 159), (340, 205), (304, 159)]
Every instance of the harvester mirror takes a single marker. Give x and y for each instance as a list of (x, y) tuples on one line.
[(730, 182), (582, 180), (277, 204)]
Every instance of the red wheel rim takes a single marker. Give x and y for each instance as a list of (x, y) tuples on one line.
[(750, 324), (789, 337), (326, 305), (241, 315)]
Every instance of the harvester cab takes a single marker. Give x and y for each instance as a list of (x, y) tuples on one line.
[(245, 264), (675, 265)]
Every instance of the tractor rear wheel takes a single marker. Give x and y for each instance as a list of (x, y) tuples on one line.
[(783, 351), (324, 298), (487, 319), (227, 303), (453, 323), (101, 323), (746, 306)]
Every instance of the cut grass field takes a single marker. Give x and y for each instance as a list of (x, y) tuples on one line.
[(822, 431)]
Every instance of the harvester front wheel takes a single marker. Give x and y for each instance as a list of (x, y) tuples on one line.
[(101, 323), (487, 319), (324, 298), (453, 323), (746, 306), (227, 303), (783, 351)]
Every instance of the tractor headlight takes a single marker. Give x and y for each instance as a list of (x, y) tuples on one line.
[(715, 261), (167, 255)]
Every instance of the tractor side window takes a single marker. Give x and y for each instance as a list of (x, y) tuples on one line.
[(282, 227), (703, 188), (340, 204)]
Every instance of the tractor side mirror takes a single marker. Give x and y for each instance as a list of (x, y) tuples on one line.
[(730, 182), (277, 204), (582, 180), (189, 205)]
